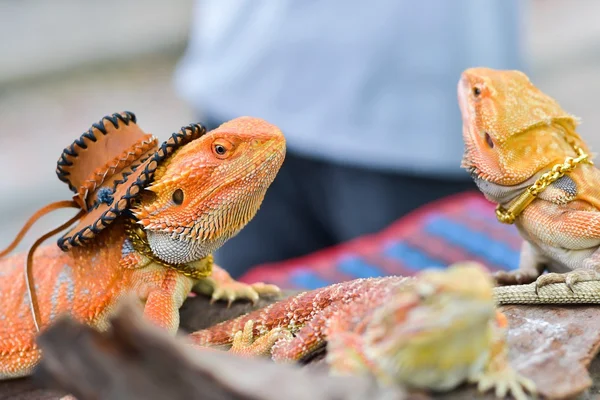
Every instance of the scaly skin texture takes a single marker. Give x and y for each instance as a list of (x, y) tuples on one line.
[(434, 331), (221, 193), (513, 133)]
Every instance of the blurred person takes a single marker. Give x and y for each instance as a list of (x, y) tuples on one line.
[(365, 93)]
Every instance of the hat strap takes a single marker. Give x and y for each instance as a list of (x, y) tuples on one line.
[(29, 264)]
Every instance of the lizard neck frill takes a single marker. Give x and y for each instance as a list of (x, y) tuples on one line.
[(196, 270)]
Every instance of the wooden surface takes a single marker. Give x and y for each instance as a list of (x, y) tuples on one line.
[(553, 344), (134, 360)]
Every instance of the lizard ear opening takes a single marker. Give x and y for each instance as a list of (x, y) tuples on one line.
[(489, 141), (178, 197)]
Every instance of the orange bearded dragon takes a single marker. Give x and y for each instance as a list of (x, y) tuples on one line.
[(524, 153), (147, 231)]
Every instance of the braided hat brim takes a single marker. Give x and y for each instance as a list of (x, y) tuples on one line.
[(133, 180)]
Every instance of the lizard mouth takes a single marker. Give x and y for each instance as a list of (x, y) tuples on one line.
[(474, 172), (468, 154), (469, 134)]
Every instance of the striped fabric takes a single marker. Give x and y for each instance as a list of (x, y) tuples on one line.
[(457, 228)]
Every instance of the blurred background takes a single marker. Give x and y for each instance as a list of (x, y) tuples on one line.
[(64, 64)]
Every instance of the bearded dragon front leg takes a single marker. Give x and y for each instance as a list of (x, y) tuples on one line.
[(221, 286), (572, 240), (162, 304)]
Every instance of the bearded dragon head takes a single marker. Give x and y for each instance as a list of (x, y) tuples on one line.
[(427, 325), (208, 190), (511, 129)]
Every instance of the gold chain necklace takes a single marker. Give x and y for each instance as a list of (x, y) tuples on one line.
[(508, 216), (196, 270)]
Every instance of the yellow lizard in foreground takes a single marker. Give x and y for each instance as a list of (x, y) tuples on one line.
[(524, 153), (160, 249), (434, 331)]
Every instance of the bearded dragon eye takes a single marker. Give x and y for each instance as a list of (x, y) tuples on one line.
[(220, 149), (489, 141), (178, 197)]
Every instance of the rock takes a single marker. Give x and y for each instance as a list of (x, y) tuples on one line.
[(554, 346)]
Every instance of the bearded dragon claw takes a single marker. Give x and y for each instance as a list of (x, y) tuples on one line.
[(505, 382), (570, 279), (221, 286)]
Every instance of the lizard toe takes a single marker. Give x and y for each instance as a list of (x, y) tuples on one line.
[(243, 345), (570, 281), (569, 278), (243, 338), (517, 277), (549, 278), (581, 275), (217, 294), (266, 289), (233, 291), (504, 382)]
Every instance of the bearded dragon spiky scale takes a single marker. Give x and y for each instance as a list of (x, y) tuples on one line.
[(201, 195), (516, 138), (434, 331)]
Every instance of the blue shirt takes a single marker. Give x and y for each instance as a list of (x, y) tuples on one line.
[(364, 83)]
